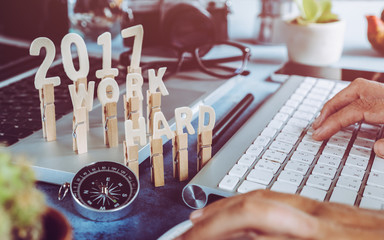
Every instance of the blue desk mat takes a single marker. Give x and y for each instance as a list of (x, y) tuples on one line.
[(156, 210)]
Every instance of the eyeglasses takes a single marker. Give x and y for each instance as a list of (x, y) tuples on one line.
[(221, 59)]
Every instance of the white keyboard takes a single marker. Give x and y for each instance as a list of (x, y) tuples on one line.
[(283, 156)]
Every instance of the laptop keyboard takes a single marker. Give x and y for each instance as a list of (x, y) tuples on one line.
[(285, 158), (20, 104)]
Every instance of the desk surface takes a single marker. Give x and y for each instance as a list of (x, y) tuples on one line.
[(158, 209)]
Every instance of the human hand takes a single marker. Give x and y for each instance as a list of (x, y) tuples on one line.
[(265, 214), (362, 100)]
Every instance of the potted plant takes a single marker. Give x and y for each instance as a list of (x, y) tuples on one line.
[(23, 212), (315, 37)]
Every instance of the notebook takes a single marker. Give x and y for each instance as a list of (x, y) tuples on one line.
[(20, 120), (274, 150)]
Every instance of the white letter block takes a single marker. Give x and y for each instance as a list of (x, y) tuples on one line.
[(34, 50), (82, 53), (156, 82), (102, 91), (212, 117), (82, 95), (157, 132), (134, 85), (137, 32), (131, 133), (107, 70), (183, 121)]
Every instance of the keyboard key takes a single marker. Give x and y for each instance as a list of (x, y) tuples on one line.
[(343, 195), (324, 83), (287, 137), (274, 155), (292, 130), (297, 97), (334, 151), (297, 167), (312, 102), (369, 127), (357, 162), (276, 124), (267, 165), (292, 103), (281, 117), (349, 183), (238, 170), (303, 157), (260, 176), (246, 160), (303, 115), (366, 134), (248, 186), (229, 182), (281, 146), (324, 170), (343, 134), (262, 141), (284, 187), (298, 122), (376, 179), (332, 161), (313, 193), (309, 81), (320, 182), (338, 142), (254, 150), (315, 96), (378, 165), (352, 171), (308, 147), (364, 143), (360, 152), (307, 108), (268, 132), (287, 110), (371, 203), (308, 138), (374, 192), (290, 177)]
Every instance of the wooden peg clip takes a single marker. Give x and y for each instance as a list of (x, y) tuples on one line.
[(180, 156), (79, 133), (110, 125), (153, 106), (47, 108), (204, 151), (157, 162), (131, 157), (85, 82), (132, 109)]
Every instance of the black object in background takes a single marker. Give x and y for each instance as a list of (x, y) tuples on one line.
[(291, 68), (29, 19)]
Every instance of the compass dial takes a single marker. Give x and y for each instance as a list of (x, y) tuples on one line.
[(105, 186)]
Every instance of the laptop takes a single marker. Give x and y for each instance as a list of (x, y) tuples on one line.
[(20, 119), (274, 149)]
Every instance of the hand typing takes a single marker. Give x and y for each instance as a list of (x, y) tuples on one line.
[(265, 214)]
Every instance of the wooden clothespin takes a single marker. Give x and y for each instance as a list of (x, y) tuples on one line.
[(79, 75), (180, 143), (46, 88), (131, 149), (154, 97), (156, 141), (108, 100), (133, 99), (79, 133), (204, 138), (108, 92), (80, 114)]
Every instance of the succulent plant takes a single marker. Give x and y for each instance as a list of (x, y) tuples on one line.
[(21, 204), (315, 11)]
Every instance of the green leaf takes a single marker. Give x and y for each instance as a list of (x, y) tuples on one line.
[(315, 11), (312, 10)]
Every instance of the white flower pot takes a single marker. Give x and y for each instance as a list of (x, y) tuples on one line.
[(317, 44)]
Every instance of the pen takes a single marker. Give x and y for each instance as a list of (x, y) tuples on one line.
[(231, 116)]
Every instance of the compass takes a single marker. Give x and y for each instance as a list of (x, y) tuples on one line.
[(102, 191)]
